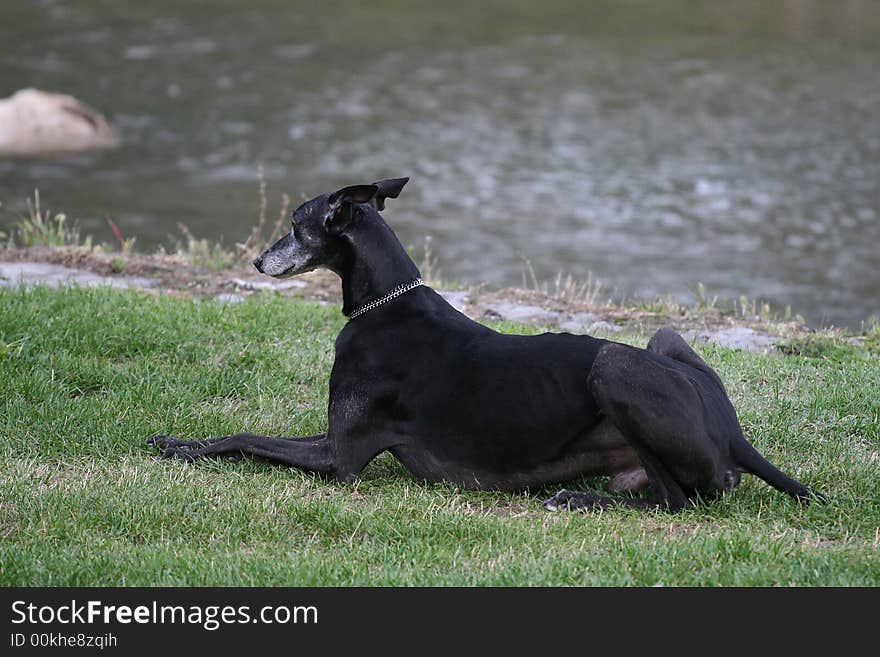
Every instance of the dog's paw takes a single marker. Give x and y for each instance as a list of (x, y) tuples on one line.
[(559, 502), (569, 500)]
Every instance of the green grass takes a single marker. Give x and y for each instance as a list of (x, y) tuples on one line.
[(87, 375), (40, 228)]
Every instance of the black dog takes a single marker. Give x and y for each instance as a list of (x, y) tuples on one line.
[(458, 402)]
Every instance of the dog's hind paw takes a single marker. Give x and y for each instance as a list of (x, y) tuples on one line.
[(569, 500), (560, 501)]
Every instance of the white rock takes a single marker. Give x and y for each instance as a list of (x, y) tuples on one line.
[(227, 298), (38, 123), (579, 323), (737, 337), (457, 300), (514, 312), (604, 327), (267, 285), (35, 273)]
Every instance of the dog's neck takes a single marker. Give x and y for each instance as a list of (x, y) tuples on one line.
[(378, 263)]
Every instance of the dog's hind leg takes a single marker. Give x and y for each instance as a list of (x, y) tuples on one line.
[(666, 493), (741, 456), (668, 414)]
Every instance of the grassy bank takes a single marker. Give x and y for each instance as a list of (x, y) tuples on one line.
[(87, 375)]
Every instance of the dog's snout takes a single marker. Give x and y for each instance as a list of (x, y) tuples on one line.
[(258, 263)]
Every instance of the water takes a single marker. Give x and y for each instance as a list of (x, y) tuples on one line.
[(654, 143)]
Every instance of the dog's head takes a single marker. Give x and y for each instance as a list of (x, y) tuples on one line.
[(319, 228)]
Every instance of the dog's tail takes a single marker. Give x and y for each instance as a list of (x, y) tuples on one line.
[(751, 461)]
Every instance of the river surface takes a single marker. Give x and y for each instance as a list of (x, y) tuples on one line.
[(652, 143)]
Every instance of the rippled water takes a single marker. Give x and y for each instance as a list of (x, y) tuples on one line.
[(654, 143)]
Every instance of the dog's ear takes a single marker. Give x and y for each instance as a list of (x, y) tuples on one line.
[(340, 204), (390, 188)]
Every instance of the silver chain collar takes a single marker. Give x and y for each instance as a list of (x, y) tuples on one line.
[(396, 292)]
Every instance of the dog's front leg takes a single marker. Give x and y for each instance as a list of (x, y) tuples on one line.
[(312, 453)]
